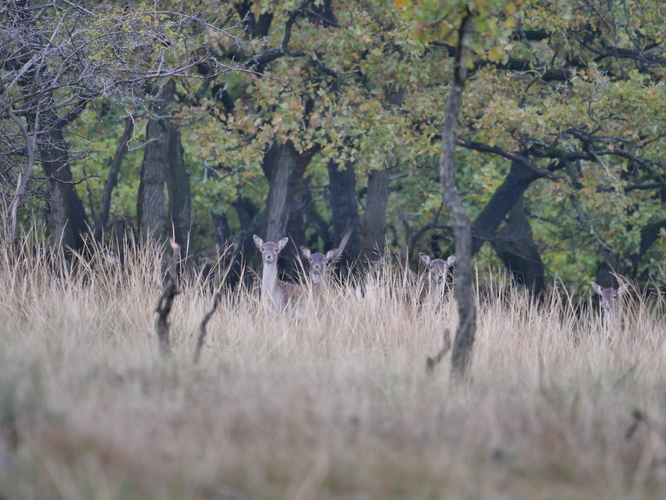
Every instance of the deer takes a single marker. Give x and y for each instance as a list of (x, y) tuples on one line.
[(319, 262), (438, 270), (611, 299), (277, 295)]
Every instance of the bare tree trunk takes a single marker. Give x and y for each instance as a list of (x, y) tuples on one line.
[(67, 218), (284, 168), (280, 194), (180, 200), (112, 180), (154, 170), (517, 249), (374, 222), (344, 207), (462, 225)]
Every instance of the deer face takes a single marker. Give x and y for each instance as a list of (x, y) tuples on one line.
[(438, 268), (318, 262), (610, 297), (270, 250)]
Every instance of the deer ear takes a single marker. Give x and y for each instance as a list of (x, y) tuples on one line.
[(306, 252), (597, 288), (622, 289), (282, 243), (258, 241), (451, 260), (331, 254), (424, 258)]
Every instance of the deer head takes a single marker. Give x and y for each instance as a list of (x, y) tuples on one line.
[(318, 262), (610, 297), (437, 268), (270, 250)]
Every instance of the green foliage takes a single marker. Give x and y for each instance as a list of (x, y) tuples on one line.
[(372, 89)]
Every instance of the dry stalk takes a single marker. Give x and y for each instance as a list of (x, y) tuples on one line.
[(204, 322), (432, 362), (166, 301)]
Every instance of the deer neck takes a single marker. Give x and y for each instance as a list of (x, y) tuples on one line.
[(436, 290), (316, 278), (270, 283)]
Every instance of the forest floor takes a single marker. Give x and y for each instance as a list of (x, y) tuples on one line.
[(334, 405)]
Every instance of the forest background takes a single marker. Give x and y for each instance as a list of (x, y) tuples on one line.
[(217, 120)]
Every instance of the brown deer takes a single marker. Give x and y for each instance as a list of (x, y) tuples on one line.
[(319, 262), (438, 270), (277, 295), (611, 299)]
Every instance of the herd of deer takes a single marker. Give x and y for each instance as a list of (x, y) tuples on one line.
[(278, 295)]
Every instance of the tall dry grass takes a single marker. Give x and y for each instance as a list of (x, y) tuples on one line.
[(335, 405)]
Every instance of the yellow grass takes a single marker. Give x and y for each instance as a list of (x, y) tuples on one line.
[(330, 406)]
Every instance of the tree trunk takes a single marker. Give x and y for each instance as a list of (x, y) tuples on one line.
[(112, 180), (66, 215), (466, 331), (281, 193), (67, 218), (180, 201), (517, 249), (374, 222), (284, 167), (154, 170), (344, 208), (503, 200)]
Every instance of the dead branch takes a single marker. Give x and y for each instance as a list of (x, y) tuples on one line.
[(163, 308), (432, 362), (204, 322)]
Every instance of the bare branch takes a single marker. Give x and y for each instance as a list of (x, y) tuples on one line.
[(165, 302)]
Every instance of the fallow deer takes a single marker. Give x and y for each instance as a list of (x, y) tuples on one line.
[(275, 293), (438, 270), (319, 262), (611, 299)]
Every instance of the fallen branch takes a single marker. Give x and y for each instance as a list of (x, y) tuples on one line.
[(204, 322), (432, 362), (166, 301)]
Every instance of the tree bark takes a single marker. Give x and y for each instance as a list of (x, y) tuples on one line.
[(67, 218), (154, 170), (517, 249), (503, 200), (280, 194), (112, 180), (180, 200), (466, 331), (344, 208), (284, 167), (374, 222), (66, 215)]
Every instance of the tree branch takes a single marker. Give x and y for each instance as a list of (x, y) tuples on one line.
[(483, 148)]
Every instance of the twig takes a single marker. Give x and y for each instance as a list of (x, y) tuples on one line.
[(166, 301), (204, 322), (432, 362)]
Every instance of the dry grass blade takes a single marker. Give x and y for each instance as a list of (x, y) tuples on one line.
[(331, 405)]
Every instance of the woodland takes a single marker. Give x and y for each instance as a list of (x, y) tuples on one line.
[(523, 140), (211, 121)]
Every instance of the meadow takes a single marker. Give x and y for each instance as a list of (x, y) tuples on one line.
[(332, 405)]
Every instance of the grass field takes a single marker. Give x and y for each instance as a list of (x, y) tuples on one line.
[(335, 405)]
